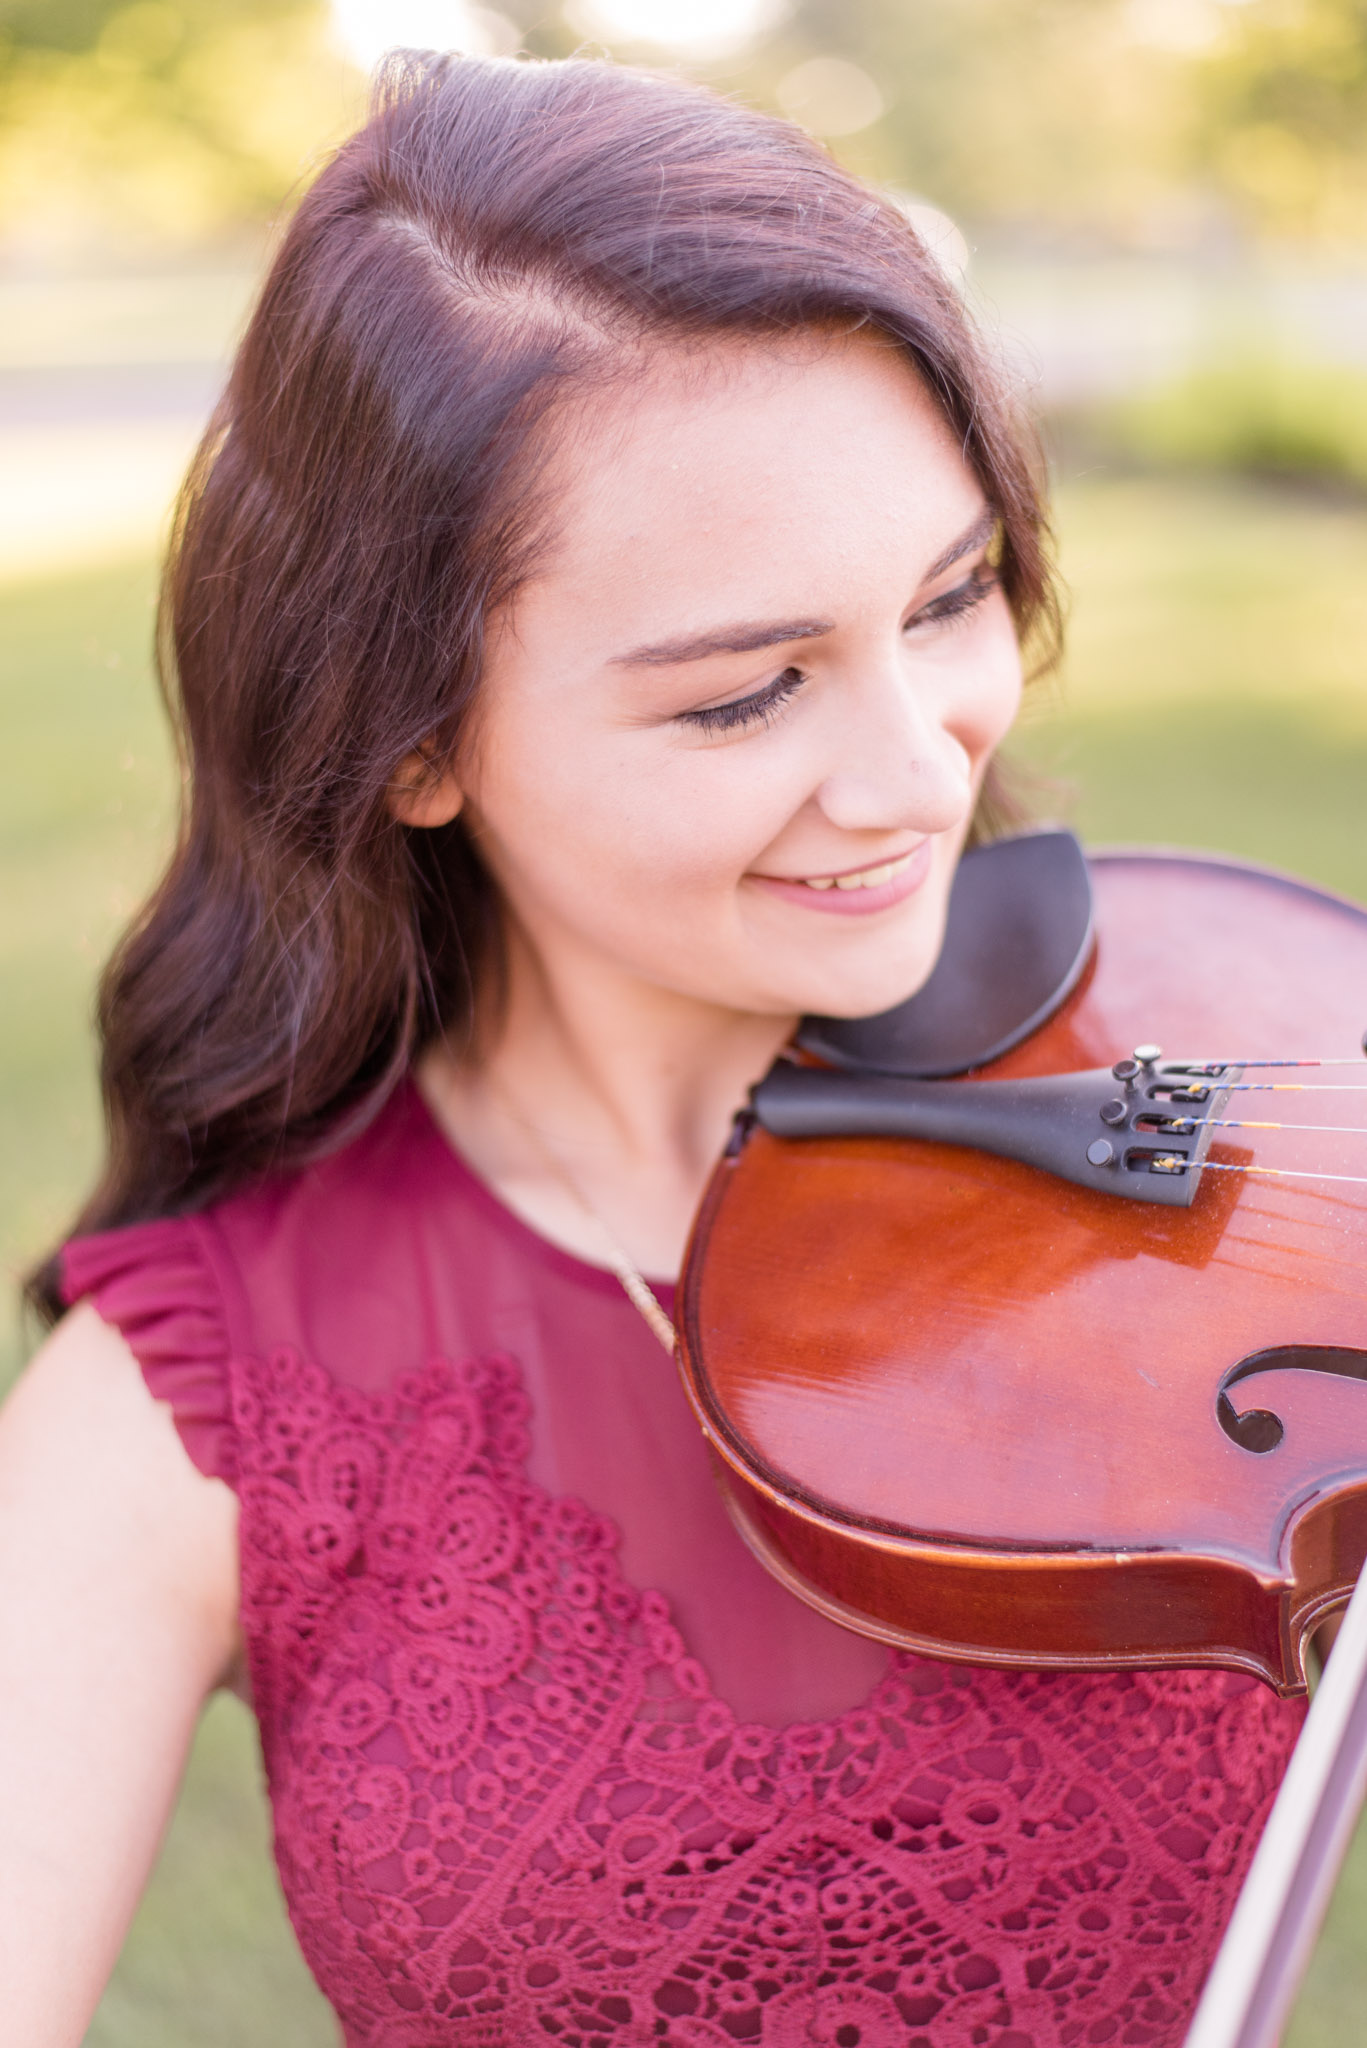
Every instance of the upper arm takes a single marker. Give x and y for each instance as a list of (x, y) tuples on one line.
[(118, 1614)]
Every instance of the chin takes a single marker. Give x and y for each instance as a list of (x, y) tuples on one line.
[(877, 980), (888, 973)]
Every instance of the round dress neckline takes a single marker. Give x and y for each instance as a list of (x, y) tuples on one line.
[(570, 1265)]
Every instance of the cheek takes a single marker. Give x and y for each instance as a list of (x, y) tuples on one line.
[(622, 827), (986, 706)]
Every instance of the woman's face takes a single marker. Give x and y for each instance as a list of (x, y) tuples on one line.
[(733, 728)]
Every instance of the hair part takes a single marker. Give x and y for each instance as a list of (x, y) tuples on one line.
[(497, 238)]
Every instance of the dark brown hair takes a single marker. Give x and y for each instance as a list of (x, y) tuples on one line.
[(495, 235)]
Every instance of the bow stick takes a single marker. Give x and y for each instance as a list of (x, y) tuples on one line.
[(1286, 1893)]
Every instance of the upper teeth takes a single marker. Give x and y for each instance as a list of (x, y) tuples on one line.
[(865, 878)]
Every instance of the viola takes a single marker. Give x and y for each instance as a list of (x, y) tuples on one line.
[(984, 1411), (1020, 1341)]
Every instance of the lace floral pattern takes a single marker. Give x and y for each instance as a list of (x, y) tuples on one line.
[(509, 1808)]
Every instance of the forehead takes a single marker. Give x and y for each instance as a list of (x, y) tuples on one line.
[(720, 463)]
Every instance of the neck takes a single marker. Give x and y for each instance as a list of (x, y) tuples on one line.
[(630, 1086)]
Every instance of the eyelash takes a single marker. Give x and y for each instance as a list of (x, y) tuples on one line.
[(762, 706), (957, 603), (757, 709)]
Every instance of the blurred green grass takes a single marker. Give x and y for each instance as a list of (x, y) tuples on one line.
[(86, 779), (1214, 697), (1215, 689)]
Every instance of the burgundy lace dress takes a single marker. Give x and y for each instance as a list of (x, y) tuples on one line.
[(514, 1801)]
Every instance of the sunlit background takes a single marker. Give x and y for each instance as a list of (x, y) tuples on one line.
[(1158, 211), (1147, 187)]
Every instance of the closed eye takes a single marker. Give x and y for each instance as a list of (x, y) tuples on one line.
[(762, 706), (759, 708), (957, 603)]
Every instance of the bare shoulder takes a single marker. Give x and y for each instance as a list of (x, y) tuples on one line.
[(91, 1466)]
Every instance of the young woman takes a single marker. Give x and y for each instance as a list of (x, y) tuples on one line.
[(591, 619)]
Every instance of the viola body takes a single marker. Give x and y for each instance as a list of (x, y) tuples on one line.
[(981, 1412)]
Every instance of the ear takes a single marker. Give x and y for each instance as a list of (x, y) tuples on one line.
[(422, 794)]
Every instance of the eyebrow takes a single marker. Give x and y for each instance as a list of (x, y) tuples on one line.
[(970, 540), (738, 639), (746, 636)]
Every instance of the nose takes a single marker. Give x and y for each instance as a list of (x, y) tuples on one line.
[(899, 768)]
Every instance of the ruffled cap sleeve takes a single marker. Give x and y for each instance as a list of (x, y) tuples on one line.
[(153, 1283)]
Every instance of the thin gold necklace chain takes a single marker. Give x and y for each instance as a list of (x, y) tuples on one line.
[(633, 1282)]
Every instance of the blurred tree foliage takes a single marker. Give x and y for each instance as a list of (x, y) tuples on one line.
[(52, 24), (1284, 117), (1036, 115), (1164, 123), (1160, 122), (161, 121)]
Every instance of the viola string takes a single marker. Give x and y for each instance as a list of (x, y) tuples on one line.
[(1186, 1124), (1276, 1172), (1355, 1062), (1289, 1087)]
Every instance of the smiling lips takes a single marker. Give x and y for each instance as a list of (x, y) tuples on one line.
[(859, 892), (862, 878)]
